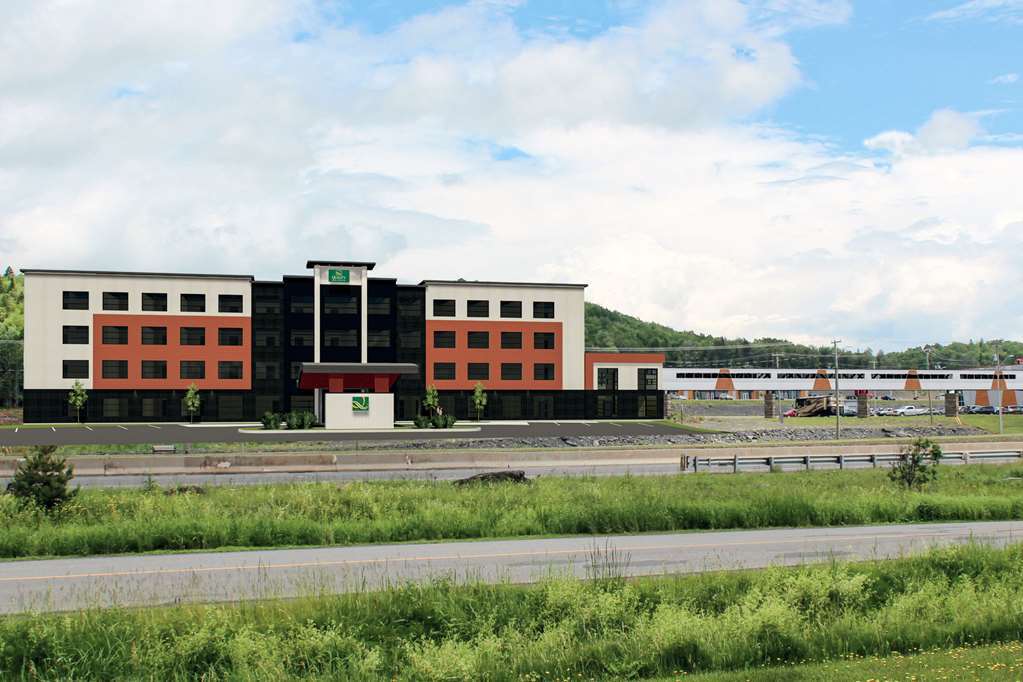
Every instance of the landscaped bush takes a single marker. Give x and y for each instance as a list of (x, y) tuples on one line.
[(117, 520), (421, 422), (442, 421), (301, 419), (559, 629), (271, 421)]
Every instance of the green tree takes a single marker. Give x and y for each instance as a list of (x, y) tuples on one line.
[(77, 399), (192, 401), (43, 478), (479, 399), (917, 464), (431, 401)]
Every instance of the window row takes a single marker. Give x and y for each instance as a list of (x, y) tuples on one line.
[(445, 307), (480, 371), (333, 303), (114, 335), (153, 302), (607, 378), (153, 369), (509, 340)]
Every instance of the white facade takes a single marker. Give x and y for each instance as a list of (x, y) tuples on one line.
[(569, 310), (45, 316), (628, 373)]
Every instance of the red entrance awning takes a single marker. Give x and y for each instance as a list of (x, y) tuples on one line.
[(340, 377)]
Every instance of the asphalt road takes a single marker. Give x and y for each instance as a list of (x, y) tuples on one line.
[(65, 584), (166, 433)]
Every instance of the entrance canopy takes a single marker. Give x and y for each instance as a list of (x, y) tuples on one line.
[(341, 377)]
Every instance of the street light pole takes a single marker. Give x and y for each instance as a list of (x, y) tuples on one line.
[(999, 383), (930, 407), (838, 409)]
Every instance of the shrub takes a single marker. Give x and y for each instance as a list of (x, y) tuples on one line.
[(421, 422), (271, 421), (300, 420), (442, 421), (917, 464), (42, 478)]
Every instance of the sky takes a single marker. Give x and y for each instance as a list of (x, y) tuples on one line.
[(805, 169)]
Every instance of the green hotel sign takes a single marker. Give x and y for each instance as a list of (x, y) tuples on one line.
[(339, 276), (360, 403)]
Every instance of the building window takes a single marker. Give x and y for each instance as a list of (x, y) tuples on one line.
[(341, 338), (268, 339), (229, 369), (543, 371), (479, 371), (378, 305), (154, 369), (229, 336), (154, 302), (229, 303), (378, 338), (115, 369), (607, 378), (76, 369), (76, 334), (410, 340), (511, 339), (193, 303), (479, 339), (193, 336), (477, 308), (543, 310), (443, 371), (112, 407), (647, 379), (340, 304), (511, 308), (115, 336), (267, 370), (296, 370), (192, 369), (443, 339), (76, 300), (511, 371), (543, 340), (153, 336), (302, 337), (152, 407), (301, 304), (443, 307), (267, 306), (115, 300)]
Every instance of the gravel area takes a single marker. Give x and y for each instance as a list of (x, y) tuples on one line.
[(682, 438)]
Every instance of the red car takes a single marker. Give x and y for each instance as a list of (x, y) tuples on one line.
[(790, 413)]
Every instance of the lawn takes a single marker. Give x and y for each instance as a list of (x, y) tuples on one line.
[(106, 521), (814, 618)]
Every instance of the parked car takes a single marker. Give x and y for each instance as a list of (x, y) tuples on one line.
[(983, 409), (790, 413), (887, 397), (910, 411)]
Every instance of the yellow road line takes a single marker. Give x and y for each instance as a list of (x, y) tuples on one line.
[(449, 557)]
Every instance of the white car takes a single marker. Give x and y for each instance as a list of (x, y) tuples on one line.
[(910, 411)]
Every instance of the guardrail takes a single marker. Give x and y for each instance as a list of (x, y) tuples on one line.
[(738, 463)]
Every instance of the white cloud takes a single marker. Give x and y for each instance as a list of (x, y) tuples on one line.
[(1009, 11), (1004, 79), (946, 130), (184, 141)]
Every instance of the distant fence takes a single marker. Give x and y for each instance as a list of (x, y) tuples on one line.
[(737, 463)]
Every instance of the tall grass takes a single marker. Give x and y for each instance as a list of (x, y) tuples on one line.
[(118, 520), (558, 630)]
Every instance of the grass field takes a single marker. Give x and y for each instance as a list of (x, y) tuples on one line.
[(103, 521), (984, 663), (560, 629)]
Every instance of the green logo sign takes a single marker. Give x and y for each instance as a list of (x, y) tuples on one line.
[(339, 276), (360, 403)]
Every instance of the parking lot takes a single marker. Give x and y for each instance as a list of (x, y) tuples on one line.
[(168, 433)]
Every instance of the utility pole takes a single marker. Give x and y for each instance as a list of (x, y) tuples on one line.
[(930, 409), (838, 409)]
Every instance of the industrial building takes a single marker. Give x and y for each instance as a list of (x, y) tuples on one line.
[(136, 341)]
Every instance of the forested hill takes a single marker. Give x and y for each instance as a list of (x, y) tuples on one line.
[(610, 329)]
